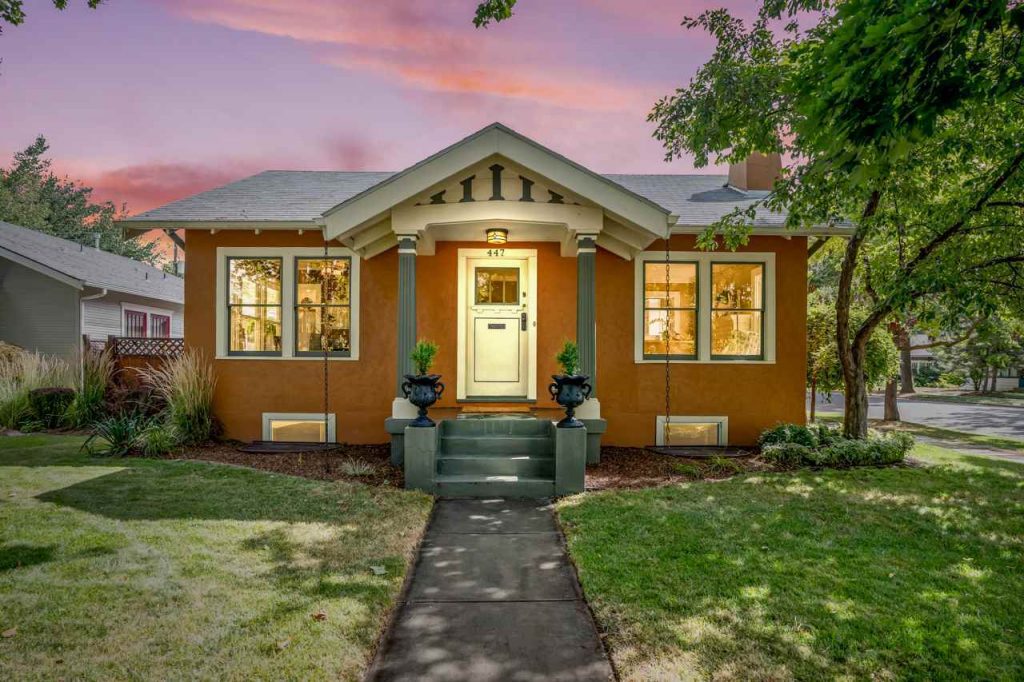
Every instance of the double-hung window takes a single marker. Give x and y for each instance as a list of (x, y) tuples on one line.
[(254, 306), (670, 310), (323, 306), (737, 316)]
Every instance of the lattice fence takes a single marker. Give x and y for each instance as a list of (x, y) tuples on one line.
[(131, 347)]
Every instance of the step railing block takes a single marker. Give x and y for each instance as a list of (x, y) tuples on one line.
[(570, 460), (421, 444)]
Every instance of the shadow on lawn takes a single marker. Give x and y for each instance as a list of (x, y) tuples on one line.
[(22, 555), (887, 572)]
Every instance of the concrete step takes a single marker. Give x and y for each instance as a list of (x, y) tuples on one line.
[(497, 445), (495, 426), (532, 466), (475, 485)]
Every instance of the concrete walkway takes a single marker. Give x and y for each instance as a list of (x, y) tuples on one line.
[(492, 597)]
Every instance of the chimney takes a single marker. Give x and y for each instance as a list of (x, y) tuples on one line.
[(757, 172)]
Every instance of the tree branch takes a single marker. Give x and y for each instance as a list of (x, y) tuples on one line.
[(949, 342)]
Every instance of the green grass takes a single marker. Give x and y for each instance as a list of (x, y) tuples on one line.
[(953, 438), (895, 573), (133, 568)]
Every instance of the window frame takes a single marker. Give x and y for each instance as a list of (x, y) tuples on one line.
[(660, 357), (713, 310), (704, 307), (296, 305), (721, 420), (149, 312), (153, 318), (268, 417), (288, 254), (229, 305)]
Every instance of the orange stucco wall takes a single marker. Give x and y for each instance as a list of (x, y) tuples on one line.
[(361, 392)]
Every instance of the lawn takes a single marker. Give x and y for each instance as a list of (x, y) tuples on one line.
[(134, 568), (946, 436), (897, 573)]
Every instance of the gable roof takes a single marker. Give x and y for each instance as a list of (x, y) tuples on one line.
[(82, 266)]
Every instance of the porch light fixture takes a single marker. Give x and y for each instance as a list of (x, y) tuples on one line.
[(497, 235)]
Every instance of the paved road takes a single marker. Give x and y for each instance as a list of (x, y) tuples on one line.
[(987, 420), (493, 597)]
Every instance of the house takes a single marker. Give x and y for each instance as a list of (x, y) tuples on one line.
[(54, 292), (498, 249)]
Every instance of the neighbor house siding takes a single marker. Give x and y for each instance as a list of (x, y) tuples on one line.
[(38, 312), (102, 317)]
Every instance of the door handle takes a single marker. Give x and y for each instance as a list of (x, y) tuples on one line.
[(522, 322)]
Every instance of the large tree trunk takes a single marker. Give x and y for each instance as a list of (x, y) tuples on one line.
[(892, 408), (814, 396), (855, 417), (906, 364)]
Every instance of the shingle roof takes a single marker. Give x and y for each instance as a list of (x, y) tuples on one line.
[(91, 267), (304, 195)]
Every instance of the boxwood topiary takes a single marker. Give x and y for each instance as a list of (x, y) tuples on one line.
[(50, 404)]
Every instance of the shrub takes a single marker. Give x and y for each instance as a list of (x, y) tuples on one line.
[(158, 439), (569, 358), (356, 468), (787, 454), (788, 433), (825, 434), (927, 374), (49, 405), (90, 403), (423, 355), (134, 398), (117, 436), (951, 379), (688, 469), (186, 383), (22, 372), (723, 466)]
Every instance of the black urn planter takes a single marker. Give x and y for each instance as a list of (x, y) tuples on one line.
[(422, 390), (569, 391)]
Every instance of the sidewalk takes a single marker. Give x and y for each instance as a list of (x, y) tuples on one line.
[(492, 597)]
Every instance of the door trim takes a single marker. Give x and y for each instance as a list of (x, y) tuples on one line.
[(530, 255)]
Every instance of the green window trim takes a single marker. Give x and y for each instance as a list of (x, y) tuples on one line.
[(695, 309), (762, 310), (230, 306)]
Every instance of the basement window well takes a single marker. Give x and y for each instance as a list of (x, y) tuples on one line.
[(689, 430), (298, 427)]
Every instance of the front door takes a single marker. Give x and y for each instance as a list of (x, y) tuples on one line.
[(497, 327)]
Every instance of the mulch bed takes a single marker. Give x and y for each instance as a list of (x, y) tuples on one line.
[(624, 468), (334, 465)]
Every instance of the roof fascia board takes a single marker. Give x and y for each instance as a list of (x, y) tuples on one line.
[(146, 224), (819, 231), (41, 268)]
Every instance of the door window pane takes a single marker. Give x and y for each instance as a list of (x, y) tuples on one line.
[(670, 310), (254, 305), (323, 305), (497, 286), (737, 301)]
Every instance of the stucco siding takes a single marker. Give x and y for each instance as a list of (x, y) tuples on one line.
[(37, 312)]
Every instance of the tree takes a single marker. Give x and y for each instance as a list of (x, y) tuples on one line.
[(824, 373), (32, 196), (997, 344), (493, 10), (13, 11)]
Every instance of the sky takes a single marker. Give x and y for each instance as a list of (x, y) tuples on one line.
[(148, 101)]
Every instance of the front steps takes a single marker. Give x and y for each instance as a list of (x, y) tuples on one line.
[(491, 456)]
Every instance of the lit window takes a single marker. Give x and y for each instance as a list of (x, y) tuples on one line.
[(737, 310), (323, 306), (692, 431), (299, 427), (670, 310), (254, 306), (497, 286)]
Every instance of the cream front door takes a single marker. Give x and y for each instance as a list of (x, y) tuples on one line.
[(498, 324)]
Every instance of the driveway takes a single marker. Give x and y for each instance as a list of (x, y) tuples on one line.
[(987, 420)]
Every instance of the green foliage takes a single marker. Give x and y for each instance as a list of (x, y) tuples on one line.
[(423, 355), (13, 11), (49, 405), (117, 436), (89, 405), (158, 439), (788, 433), (998, 343), (688, 469), (788, 455), (22, 372), (718, 467), (824, 371), (569, 358), (793, 445), (32, 196), (187, 384), (493, 10)]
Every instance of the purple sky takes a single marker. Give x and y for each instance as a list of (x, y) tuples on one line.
[(151, 100)]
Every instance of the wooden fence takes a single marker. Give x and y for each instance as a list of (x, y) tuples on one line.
[(133, 353)]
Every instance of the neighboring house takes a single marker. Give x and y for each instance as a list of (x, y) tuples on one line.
[(1007, 379), (54, 292), (498, 249)]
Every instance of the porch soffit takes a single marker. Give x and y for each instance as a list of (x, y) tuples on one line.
[(373, 218)]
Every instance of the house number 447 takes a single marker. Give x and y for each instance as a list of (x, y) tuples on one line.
[(495, 253)]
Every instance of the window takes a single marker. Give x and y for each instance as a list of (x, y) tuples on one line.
[(135, 324), (497, 286), (254, 306), (298, 427), (670, 310), (160, 326), (694, 431), (704, 307), (737, 316), (323, 306)]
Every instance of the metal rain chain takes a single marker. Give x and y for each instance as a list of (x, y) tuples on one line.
[(666, 437), (325, 272)]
